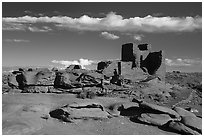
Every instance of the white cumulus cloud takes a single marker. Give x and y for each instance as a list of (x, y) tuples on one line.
[(82, 62), (16, 40), (111, 22), (182, 62), (110, 36), (138, 37), (43, 29)]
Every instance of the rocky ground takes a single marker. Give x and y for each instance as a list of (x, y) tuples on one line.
[(140, 108)]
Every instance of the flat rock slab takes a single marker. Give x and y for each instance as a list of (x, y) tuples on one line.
[(193, 122), (182, 112), (85, 110), (86, 105), (162, 109), (181, 128), (154, 119)]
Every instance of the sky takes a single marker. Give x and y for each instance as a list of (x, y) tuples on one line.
[(62, 33)]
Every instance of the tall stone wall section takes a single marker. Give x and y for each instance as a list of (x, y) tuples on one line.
[(137, 61)]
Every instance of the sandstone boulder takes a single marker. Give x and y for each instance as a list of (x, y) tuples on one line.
[(66, 80), (114, 109), (91, 78), (60, 114), (157, 108), (192, 122), (154, 119), (32, 77), (181, 128), (182, 112)]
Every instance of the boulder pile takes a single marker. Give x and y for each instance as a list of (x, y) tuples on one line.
[(174, 119)]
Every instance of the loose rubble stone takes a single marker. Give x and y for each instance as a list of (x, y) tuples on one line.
[(181, 128), (86, 94), (114, 109), (61, 115), (154, 119), (192, 122)]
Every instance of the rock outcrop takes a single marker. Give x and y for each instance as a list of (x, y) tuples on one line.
[(154, 119), (137, 62), (180, 120)]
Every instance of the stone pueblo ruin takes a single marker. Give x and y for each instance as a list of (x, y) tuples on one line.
[(132, 95)]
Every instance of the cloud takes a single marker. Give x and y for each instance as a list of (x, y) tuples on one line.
[(110, 36), (138, 37), (82, 62), (182, 62), (157, 14), (13, 26), (27, 11), (113, 22), (43, 29), (16, 40)]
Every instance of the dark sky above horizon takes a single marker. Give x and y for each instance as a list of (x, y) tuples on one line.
[(57, 34)]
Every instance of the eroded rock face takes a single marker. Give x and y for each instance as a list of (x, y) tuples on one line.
[(30, 78), (91, 78), (66, 80), (77, 78)]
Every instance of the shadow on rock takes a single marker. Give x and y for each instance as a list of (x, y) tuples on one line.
[(60, 114), (135, 111), (135, 120)]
